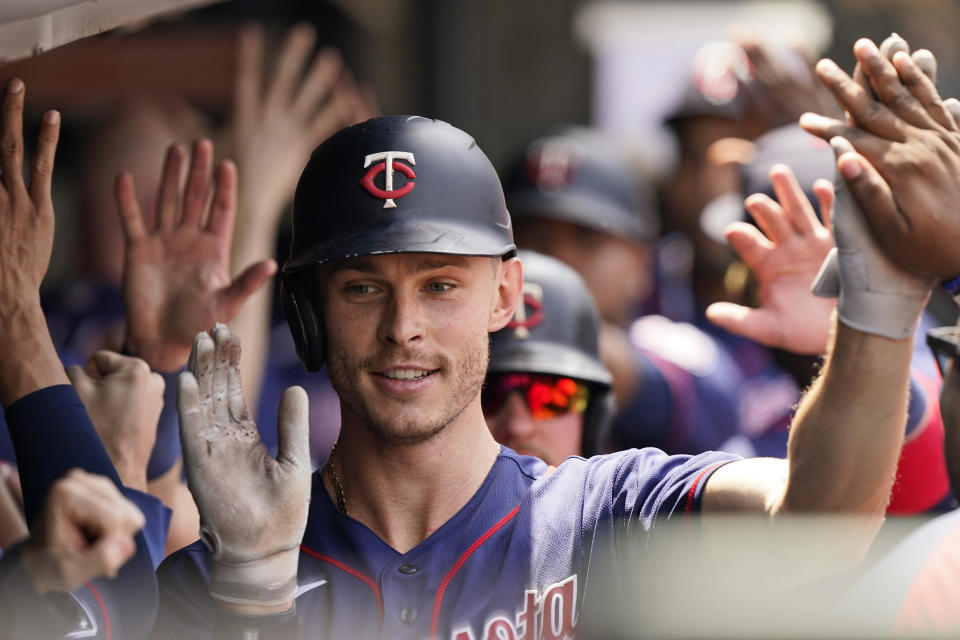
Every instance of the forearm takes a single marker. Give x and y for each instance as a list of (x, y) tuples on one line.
[(254, 239), (30, 359), (847, 433)]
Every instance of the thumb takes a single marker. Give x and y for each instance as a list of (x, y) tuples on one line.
[(755, 324), (109, 553), (872, 194), (293, 428), (83, 383), (103, 362), (188, 409), (243, 286)]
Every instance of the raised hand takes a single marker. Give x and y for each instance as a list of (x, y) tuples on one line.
[(782, 85), (274, 128), (785, 254), (123, 399), (26, 213), (26, 242), (253, 508), (905, 158), (85, 531), (176, 277)]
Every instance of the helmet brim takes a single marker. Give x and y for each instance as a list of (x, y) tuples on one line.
[(550, 358), (405, 236)]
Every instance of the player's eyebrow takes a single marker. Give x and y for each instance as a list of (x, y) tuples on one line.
[(430, 262), (440, 261), (364, 266)]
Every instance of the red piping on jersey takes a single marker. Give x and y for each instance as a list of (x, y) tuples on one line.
[(103, 610), (696, 483), (438, 601), (356, 574)]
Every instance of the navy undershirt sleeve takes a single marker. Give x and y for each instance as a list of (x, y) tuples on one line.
[(52, 434), (166, 449)]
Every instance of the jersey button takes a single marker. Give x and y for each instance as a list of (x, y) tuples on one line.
[(409, 616), (407, 569)]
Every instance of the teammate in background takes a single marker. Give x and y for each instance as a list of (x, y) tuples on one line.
[(83, 529), (398, 271), (677, 387), (547, 394)]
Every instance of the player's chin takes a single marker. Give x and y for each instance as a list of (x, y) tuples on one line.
[(405, 421)]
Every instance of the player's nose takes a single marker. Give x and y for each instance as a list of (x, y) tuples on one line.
[(402, 322), (519, 423)]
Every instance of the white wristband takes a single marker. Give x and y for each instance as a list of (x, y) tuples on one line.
[(266, 581)]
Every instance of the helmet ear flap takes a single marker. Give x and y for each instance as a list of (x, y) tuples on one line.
[(298, 303), (598, 422)]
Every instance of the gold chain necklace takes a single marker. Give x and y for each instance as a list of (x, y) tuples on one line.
[(338, 487), (335, 481)]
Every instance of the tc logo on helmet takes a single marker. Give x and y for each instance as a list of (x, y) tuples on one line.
[(390, 164), (521, 322)]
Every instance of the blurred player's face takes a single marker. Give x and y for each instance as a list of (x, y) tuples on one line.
[(553, 440), (618, 272), (407, 338)]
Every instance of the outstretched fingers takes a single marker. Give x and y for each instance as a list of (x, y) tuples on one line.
[(887, 85), (873, 147), (321, 77), (193, 430), (238, 405), (246, 87), (11, 138), (168, 195), (41, 171), (131, 218), (769, 216), (923, 90), (859, 104), (293, 428), (797, 209), (223, 208), (890, 45), (823, 190), (200, 366), (198, 180), (296, 48), (751, 245)]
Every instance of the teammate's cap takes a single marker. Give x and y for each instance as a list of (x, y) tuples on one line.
[(578, 176), (555, 330), (715, 85)]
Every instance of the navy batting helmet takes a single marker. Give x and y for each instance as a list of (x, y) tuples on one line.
[(578, 176), (394, 184), (555, 331)]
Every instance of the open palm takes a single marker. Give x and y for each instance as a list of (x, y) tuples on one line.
[(176, 278), (785, 258)]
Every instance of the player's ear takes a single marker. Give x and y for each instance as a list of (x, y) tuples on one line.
[(509, 293)]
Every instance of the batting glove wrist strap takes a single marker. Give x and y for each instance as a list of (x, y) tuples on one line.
[(266, 581)]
